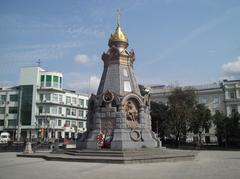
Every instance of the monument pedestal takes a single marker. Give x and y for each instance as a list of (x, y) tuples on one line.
[(28, 148)]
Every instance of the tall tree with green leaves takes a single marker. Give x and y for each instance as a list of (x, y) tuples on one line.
[(160, 122), (232, 129), (227, 128), (201, 121), (181, 107), (219, 122)]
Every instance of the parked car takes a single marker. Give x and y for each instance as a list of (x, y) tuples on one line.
[(5, 137)]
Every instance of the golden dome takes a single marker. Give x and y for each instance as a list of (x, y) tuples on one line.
[(118, 35)]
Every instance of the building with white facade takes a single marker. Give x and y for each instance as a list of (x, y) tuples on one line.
[(40, 108), (223, 96), (232, 96)]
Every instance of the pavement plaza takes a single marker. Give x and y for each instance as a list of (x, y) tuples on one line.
[(207, 165)]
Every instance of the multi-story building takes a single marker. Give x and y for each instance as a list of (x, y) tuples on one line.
[(40, 108), (232, 96), (223, 96)]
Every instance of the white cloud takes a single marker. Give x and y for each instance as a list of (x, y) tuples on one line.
[(29, 53), (81, 82), (85, 59), (231, 70), (78, 31), (82, 59)]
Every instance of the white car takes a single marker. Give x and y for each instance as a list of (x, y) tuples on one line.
[(5, 137)]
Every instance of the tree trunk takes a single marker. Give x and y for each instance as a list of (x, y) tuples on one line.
[(226, 137), (177, 140), (200, 139)]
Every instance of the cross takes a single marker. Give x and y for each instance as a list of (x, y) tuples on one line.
[(118, 17)]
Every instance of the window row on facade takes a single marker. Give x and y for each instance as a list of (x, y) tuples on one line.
[(59, 98), (8, 110), (5, 98), (63, 111), (51, 81), (55, 123)]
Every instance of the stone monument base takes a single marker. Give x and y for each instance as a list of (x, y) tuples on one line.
[(120, 157)]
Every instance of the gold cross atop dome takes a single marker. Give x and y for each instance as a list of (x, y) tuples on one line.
[(118, 35)]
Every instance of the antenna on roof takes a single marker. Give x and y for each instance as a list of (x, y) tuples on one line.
[(39, 62)]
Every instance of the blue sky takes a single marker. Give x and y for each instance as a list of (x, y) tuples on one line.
[(184, 42)]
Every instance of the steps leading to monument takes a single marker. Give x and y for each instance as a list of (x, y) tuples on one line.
[(120, 157), (120, 154)]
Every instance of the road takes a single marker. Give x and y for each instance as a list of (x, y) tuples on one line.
[(207, 165)]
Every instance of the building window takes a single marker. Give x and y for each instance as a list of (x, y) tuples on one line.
[(67, 111), (42, 80), (3, 98), (127, 86), (2, 110), (216, 101), (54, 110), (81, 102), (80, 113), (48, 81), (47, 97), (86, 103), (60, 98), (1, 122), (203, 100), (74, 100), (55, 81), (13, 97), (40, 109), (234, 109), (59, 110), (41, 97), (12, 122), (68, 99), (55, 97), (232, 95), (80, 124), (68, 123), (73, 123), (46, 109), (12, 110), (73, 112), (59, 122)]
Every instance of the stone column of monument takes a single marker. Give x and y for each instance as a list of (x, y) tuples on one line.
[(118, 110)]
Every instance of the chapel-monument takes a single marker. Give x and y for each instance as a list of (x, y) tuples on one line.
[(118, 115)]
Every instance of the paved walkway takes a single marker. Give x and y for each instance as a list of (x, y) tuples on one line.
[(207, 165)]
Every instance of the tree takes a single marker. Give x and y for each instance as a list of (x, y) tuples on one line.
[(201, 120), (232, 131), (219, 122), (159, 115), (181, 106), (227, 128)]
